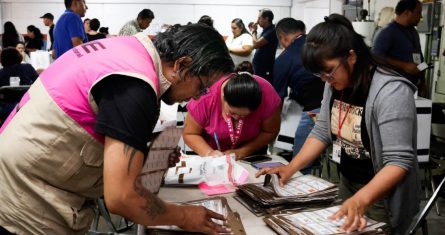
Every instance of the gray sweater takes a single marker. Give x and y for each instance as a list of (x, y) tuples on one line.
[(391, 122)]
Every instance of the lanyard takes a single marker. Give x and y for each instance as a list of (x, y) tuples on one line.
[(234, 134), (340, 124)]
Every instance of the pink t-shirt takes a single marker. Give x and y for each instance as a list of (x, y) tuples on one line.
[(207, 111)]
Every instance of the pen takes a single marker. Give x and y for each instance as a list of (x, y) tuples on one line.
[(216, 140)]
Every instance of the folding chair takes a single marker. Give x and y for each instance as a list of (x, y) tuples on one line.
[(420, 219), (102, 211)]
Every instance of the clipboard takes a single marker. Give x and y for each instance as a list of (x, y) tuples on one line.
[(156, 163)]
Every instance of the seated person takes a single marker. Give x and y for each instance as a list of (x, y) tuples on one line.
[(240, 111), (12, 67), (21, 48)]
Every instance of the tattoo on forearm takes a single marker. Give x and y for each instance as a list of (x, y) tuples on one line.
[(130, 152), (153, 205)]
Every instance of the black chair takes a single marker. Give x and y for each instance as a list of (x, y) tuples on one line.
[(9, 97), (420, 219)]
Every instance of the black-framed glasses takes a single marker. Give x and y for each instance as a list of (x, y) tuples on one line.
[(329, 76)]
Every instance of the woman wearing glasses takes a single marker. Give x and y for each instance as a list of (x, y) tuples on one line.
[(369, 116), (240, 114)]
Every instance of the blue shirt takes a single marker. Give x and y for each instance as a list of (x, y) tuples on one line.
[(306, 88), (68, 26), (264, 57), (398, 42)]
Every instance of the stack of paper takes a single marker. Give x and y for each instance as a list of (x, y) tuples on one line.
[(316, 222), (216, 204), (298, 193)]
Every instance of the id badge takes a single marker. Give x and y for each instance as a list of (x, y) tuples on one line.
[(336, 151), (417, 58)]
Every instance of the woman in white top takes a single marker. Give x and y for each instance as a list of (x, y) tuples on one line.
[(240, 44), (21, 48)]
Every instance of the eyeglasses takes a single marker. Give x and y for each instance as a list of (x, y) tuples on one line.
[(328, 76)]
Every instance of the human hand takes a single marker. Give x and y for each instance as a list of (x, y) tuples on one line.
[(285, 172), (354, 210), (199, 219), (174, 156), (214, 153), (255, 27)]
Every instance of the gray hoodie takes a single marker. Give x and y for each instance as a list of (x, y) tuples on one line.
[(391, 122)]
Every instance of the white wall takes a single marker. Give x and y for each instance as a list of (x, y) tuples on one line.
[(310, 12), (114, 13)]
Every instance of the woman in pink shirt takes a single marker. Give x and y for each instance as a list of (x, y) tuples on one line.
[(241, 111)]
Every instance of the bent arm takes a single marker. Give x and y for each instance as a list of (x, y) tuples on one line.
[(76, 41), (192, 135), (123, 190), (270, 128), (258, 42), (245, 50)]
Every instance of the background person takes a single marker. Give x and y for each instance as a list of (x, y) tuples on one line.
[(48, 20), (10, 35), (35, 41), (289, 72), (21, 48), (240, 43), (12, 67), (399, 43), (69, 31), (243, 111), (94, 143), (368, 114), (143, 20), (93, 34), (265, 45)]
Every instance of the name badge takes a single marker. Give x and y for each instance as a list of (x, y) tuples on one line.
[(336, 152), (417, 58)]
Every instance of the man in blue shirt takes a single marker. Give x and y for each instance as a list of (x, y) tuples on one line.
[(399, 44), (306, 89), (69, 31), (266, 45)]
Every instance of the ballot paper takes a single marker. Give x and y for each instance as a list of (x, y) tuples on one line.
[(216, 204), (316, 222), (301, 192), (157, 161), (300, 186)]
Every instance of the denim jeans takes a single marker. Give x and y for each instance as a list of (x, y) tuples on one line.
[(303, 130)]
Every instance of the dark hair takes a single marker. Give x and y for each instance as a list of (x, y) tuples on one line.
[(251, 24), (86, 19), (10, 35), (205, 19), (10, 56), (94, 24), (68, 3), (239, 22), (244, 66), (267, 13), (20, 42), (203, 44), (36, 31), (243, 91), (290, 25), (406, 5), (146, 14), (335, 38), (103, 30)]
